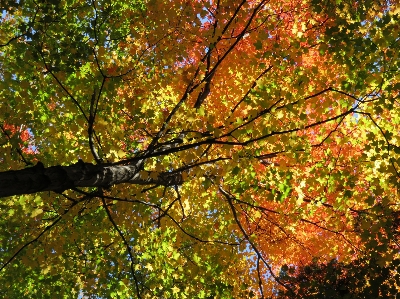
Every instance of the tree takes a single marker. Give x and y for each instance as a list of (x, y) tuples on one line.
[(359, 279), (176, 149)]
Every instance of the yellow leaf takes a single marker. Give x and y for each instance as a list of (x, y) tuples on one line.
[(154, 175), (175, 290), (144, 174), (36, 212), (149, 266), (121, 154), (184, 175)]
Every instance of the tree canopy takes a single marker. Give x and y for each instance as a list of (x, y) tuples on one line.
[(199, 149)]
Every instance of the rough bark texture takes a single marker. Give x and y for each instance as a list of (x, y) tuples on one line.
[(60, 178)]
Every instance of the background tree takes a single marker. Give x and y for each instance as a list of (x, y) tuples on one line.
[(358, 279), (190, 149)]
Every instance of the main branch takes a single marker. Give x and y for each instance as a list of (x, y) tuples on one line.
[(60, 178)]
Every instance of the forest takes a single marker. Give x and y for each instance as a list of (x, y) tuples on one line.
[(199, 149)]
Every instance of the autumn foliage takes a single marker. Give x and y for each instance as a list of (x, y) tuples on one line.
[(199, 149)]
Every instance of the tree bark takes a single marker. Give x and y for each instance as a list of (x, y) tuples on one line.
[(60, 178)]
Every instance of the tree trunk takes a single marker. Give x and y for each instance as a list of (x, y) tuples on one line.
[(60, 178)]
